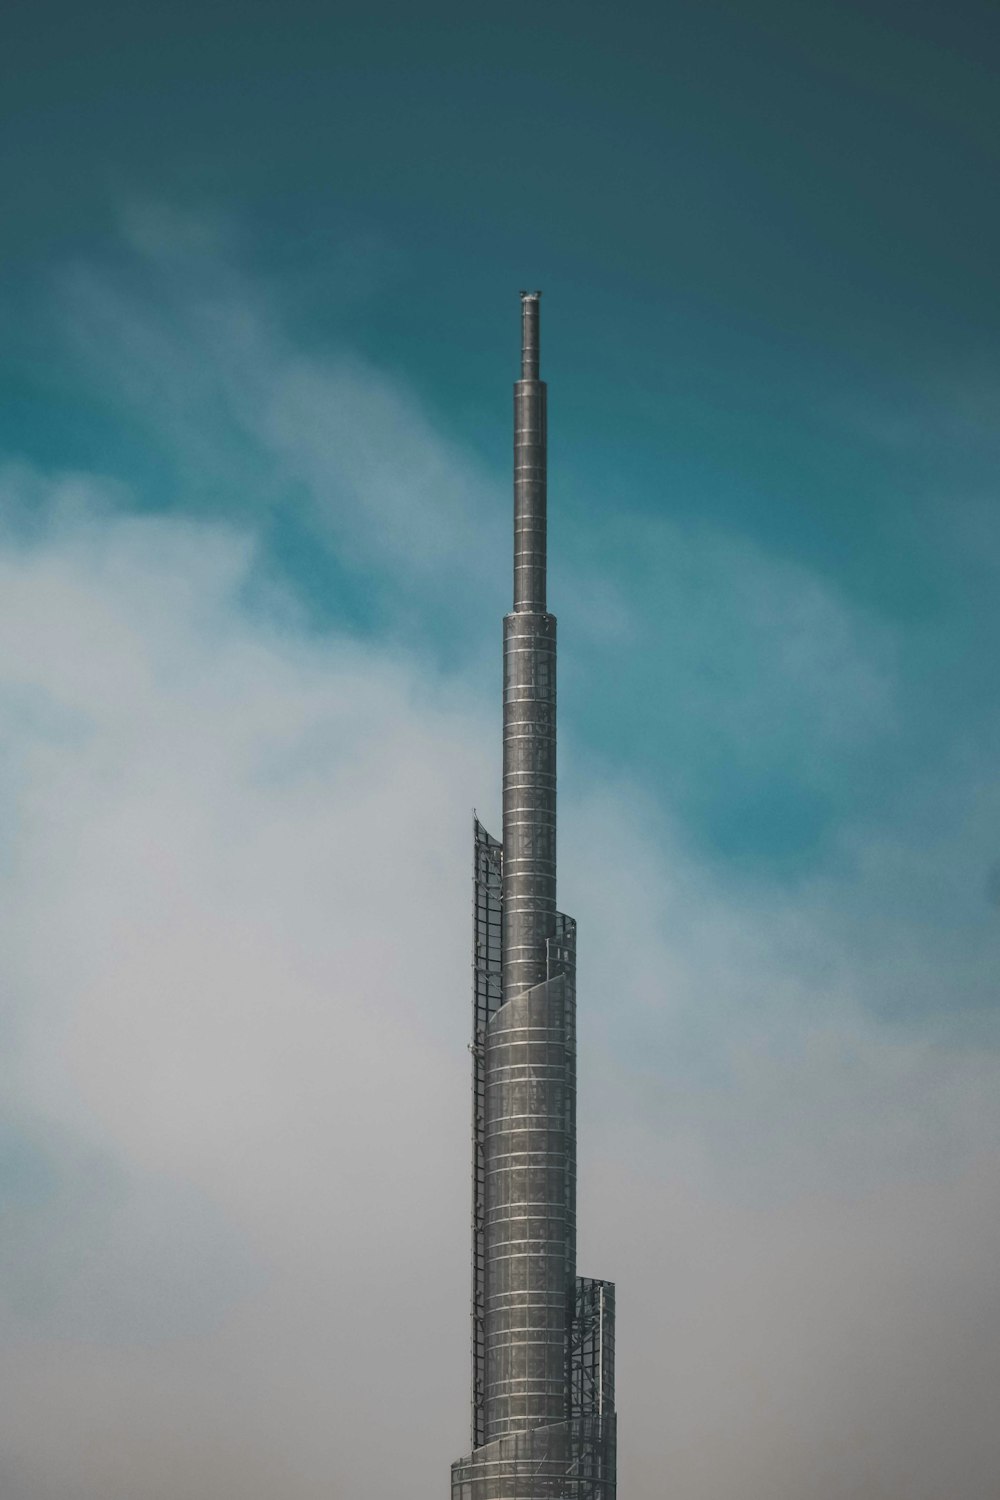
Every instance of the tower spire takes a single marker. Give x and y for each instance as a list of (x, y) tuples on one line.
[(542, 1337), (529, 696), (529, 335), (529, 467)]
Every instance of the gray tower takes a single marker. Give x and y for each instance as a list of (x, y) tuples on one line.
[(543, 1418)]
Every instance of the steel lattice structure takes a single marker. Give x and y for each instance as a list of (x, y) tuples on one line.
[(543, 1402)]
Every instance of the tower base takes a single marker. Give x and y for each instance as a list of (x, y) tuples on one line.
[(567, 1461)]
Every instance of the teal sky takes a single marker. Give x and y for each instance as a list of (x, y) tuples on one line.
[(768, 240)]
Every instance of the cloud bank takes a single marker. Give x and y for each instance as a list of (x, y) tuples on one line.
[(235, 970)]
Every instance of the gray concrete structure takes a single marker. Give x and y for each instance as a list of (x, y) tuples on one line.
[(543, 1418)]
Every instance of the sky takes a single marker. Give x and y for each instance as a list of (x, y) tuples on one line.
[(260, 322)]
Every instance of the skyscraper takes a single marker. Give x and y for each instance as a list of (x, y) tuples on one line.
[(543, 1418)]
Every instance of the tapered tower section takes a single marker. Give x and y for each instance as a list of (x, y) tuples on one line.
[(542, 1339), (529, 694)]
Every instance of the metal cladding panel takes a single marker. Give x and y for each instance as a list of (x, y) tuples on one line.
[(530, 1231), (592, 1349), (530, 467), (529, 798), (530, 498), (573, 1460), (487, 875)]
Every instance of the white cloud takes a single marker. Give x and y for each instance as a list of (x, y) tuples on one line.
[(194, 351), (233, 927), (230, 909), (235, 949)]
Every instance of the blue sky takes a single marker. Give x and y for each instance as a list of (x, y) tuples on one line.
[(259, 318), (767, 241)]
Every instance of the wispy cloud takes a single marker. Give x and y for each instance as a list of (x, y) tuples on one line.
[(255, 427), (234, 908)]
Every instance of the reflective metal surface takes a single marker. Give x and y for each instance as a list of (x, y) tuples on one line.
[(530, 1207), (529, 694), (543, 1421)]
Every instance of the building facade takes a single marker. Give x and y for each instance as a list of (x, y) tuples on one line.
[(543, 1409)]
